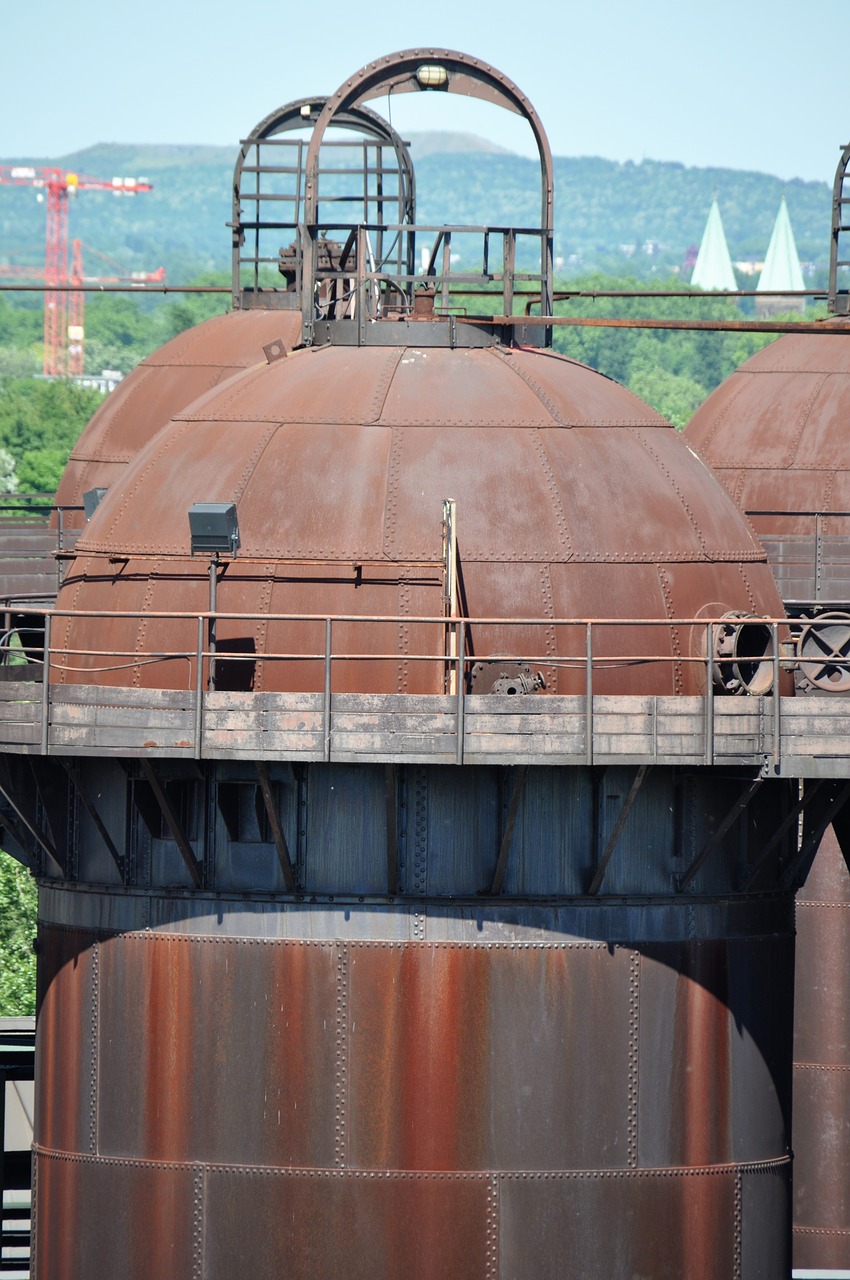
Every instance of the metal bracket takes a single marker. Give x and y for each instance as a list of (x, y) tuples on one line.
[(622, 818), (392, 831), (187, 853), (809, 846), (277, 831), (510, 823), (734, 813), (805, 799), (89, 804), (8, 793)]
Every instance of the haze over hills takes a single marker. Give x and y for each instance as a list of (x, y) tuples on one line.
[(636, 218)]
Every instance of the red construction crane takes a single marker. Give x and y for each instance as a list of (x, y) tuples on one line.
[(60, 185)]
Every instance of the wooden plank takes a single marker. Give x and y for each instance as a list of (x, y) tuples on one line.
[(264, 753), (120, 696), (96, 737), (240, 721), (395, 723), (20, 733), (158, 718), (549, 760), (20, 691), (685, 744), (616, 745), (523, 725), (356, 703), (267, 702), (539, 745), (388, 743), (282, 743)]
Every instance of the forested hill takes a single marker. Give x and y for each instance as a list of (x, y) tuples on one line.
[(608, 216)]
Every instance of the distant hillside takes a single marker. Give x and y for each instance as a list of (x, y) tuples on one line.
[(639, 218)]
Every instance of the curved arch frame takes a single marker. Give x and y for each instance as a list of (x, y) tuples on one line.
[(838, 300), (303, 113), (396, 73)]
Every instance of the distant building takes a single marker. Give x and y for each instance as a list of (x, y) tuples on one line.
[(713, 268), (781, 269)]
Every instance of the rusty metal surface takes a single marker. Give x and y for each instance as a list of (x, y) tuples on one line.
[(543, 1225), (64, 1041), (775, 430), (112, 1219), (273, 1007), (821, 1127), (290, 1100), (162, 385), (343, 457)]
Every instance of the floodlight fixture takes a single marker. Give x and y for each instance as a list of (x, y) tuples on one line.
[(92, 499), (214, 528)]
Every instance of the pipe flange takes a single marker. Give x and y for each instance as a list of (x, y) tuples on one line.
[(823, 653), (506, 676), (743, 654)]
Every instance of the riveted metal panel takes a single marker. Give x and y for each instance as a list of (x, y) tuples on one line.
[(105, 1218), (679, 1223), (165, 383), (365, 1226), (765, 1244), (822, 983), (346, 834), (480, 920), (822, 1152), (212, 1048), (714, 1053), (66, 1035), (438, 1080)]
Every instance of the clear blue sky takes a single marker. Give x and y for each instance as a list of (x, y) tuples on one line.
[(745, 84)]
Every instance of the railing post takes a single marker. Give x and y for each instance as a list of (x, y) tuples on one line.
[(459, 716), (199, 687), (777, 701), (709, 693), (588, 695), (326, 709), (45, 686), (60, 539)]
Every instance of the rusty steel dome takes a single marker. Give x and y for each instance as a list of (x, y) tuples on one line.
[(160, 386), (574, 500), (266, 309), (774, 431)]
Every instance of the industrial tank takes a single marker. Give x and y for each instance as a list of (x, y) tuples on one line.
[(343, 1002), (775, 434)]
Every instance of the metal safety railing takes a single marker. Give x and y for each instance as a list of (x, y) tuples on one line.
[(809, 552), (36, 535), (342, 679)]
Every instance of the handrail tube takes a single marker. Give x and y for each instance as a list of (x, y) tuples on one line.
[(588, 695), (45, 687), (326, 706), (777, 700), (199, 689), (709, 693), (459, 713)]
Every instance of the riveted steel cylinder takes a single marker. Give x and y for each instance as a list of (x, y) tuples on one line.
[(432, 1084)]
